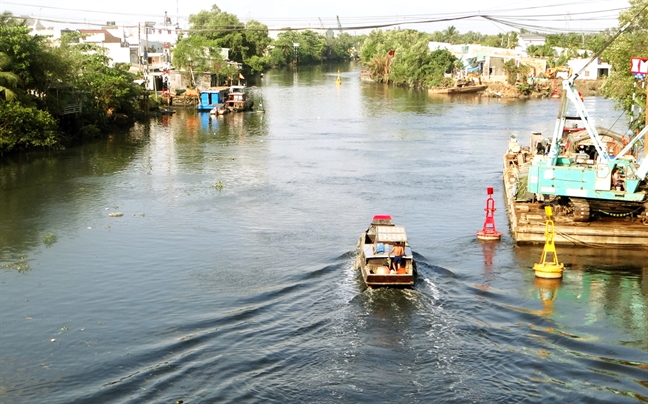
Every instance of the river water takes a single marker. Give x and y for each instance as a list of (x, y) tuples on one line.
[(229, 277)]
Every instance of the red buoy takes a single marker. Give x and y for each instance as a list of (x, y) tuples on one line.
[(489, 232)]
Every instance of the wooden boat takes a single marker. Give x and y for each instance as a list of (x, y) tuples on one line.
[(373, 260), (459, 89), (366, 76), (219, 110), (237, 99)]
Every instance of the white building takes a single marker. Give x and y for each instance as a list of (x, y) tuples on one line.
[(526, 40), (113, 47), (595, 70)]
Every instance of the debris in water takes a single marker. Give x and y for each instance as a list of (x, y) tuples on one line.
[(49, 239)]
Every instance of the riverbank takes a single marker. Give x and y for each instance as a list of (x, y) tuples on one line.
[(588, 88)]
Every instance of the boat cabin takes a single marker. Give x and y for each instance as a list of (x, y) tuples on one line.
[(211, 98)]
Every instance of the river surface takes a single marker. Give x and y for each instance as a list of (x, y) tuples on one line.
[(229, 277)]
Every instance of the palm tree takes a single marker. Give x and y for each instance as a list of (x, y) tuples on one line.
[(450, 34), (8, 80)]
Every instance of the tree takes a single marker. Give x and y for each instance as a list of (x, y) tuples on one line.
[(450, 34), (412, 63), (200, 54), (631, 43), (540, 51), (8, 80), (257, 40), (23, 127), (283, 51), (247, 43)]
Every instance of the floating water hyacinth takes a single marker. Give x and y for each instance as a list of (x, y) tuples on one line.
[(218, 185), (49, 239), (20, 266)]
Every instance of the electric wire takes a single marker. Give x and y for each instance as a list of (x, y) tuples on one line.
[(502, 16), (609, 42)]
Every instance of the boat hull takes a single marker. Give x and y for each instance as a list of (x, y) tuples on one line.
[(373, 260), (458, 90)]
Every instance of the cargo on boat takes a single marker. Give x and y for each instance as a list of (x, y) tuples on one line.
[(376, 247)]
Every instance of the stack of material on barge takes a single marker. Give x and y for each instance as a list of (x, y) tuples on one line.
[(591, 178)]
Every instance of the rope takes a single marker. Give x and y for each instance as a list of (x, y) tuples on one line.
[(581, 243)]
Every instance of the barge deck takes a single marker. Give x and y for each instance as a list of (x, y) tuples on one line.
[(527, 218)]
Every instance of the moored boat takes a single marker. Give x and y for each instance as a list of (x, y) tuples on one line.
[(211, 98), (238, 100), (219, 110), (466, 89), (374, 261)]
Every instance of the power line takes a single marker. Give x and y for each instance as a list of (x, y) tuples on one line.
[(377, 22)]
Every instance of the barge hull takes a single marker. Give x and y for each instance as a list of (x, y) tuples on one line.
[(527, 221)]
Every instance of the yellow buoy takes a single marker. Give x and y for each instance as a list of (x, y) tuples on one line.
[(339, 79), (549, 269)]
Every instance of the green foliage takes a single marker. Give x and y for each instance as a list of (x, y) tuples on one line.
[(340, 48), (26, 127), (214, 30), (198, 53), (8, 80), (537, 51), (29, 58), (515, 72), (224, 29), (413, 64), (453, 36), (47, 79), (620, 85), (257, 63)]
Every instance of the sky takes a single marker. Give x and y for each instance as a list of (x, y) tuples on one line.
[(356, 16)]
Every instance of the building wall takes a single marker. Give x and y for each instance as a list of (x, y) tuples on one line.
[(593, 71), (116, 52)]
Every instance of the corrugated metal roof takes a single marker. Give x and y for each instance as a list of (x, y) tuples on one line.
[(390, 234)]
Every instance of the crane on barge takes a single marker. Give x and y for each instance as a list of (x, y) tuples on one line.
[(607, 182)]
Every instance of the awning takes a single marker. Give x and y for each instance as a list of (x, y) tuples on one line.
[(390, 234)]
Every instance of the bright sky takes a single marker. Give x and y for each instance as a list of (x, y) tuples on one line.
[(544, 16)]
